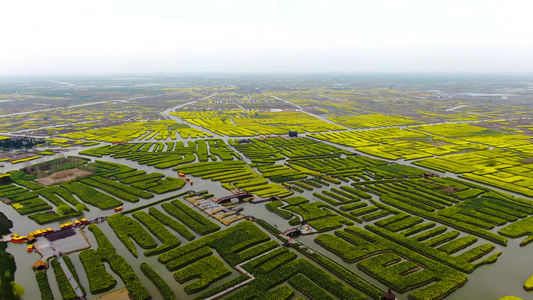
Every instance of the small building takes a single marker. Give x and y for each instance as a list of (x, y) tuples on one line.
[(31, 239), (389, 295), (39, 265), (293, 133)]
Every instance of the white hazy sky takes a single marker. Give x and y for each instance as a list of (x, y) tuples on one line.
[(114, 36)]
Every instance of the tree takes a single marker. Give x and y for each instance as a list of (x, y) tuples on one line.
[(80, 207), (18, 290), (63, 209)]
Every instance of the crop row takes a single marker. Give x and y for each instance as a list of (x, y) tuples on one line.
[(208, 270), (263, 283), (126, 229), (91, 196), (44, 286), (159, 230), (172, 223), (66, 290), (159, 282), (274, 207), (119, 265), (447, 278), (190, 217)]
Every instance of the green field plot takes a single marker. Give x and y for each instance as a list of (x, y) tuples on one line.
[(168, 239), (500, 168), (269, 150), (395, 143), (247, 123), (190, 217), (177, 153), (373, 121), (160, 130), (106, 252), (127, 229), (263, 284), (208, 270), (399, 267)]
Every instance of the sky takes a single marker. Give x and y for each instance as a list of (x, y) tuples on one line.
[(98, 37)]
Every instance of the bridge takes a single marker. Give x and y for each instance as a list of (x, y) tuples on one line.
[(292, 232), (228, 198)]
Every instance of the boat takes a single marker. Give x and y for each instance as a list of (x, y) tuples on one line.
[(30, 247), (187, 179), (18, 239), (120, 208), (181, 175), (192, 182), (77, 223), (84, 221)]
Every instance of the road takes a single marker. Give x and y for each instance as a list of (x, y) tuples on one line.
[(70, 278)]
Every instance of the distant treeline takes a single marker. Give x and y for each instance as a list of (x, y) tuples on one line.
[(20, 143)]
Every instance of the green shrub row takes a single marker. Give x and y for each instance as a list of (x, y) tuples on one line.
[(363, 211), (72, 270), (309, 288), (169, 240), (404, 224), (311, 211), (455, 223), (33, 205), (356, 192), (443, 238), (99, 279), (257, 250), (28, 184), (66, 290), (126, 229), (180, 251), (111, 190), (188, 258), (159, 282), (329, 223), (172, 223), (274, 207), (166, 185), (303, 185), (461, 263), (223, 287), (190, 217), (126, 188), (418, 228), (44, 286), (447, 278), (347, 275), (378, 267), (275, 262), (208, 270), (476, 252), (91, 196), (50, 216), (260, 287), (350, 207), (458, 244), (296, 200), (430, 233), (345, 194), (119, 265)]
